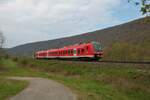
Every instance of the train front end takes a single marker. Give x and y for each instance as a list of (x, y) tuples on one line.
[(98, 52)]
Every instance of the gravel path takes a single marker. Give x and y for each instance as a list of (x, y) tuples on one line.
[(43, 89)]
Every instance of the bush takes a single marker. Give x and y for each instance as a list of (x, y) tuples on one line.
[(24, 62), (2, 53), (6, 56), (15, 59)]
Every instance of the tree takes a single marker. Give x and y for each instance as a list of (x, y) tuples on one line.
[(2, 39), (144, 5)]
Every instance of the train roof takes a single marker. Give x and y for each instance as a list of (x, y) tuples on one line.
[(74, 46), (69, 47)]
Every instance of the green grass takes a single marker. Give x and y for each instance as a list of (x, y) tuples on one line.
[(89, 80), (9, 88)]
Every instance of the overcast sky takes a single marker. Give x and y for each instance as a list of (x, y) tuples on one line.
[(24, 21)]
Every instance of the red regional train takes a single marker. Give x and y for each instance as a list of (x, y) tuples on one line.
[(91, 50)]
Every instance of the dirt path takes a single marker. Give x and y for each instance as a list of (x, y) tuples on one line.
[(43, 89)]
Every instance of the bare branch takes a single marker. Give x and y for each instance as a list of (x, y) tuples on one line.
[(2, 39)]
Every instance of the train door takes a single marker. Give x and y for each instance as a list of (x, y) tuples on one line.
[(75, 52)]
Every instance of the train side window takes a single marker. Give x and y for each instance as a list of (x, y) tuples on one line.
[(82, 50), (78, 51), (71, 51), (65, 51), (87, 48), (74, 51)]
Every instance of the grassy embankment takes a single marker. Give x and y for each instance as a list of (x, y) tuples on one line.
[(89, 80)]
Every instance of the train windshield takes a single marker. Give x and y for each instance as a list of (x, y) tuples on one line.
[(97, 46)]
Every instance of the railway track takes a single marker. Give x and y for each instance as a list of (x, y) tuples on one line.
[(124, 62), (113, 62), (103, 61)]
